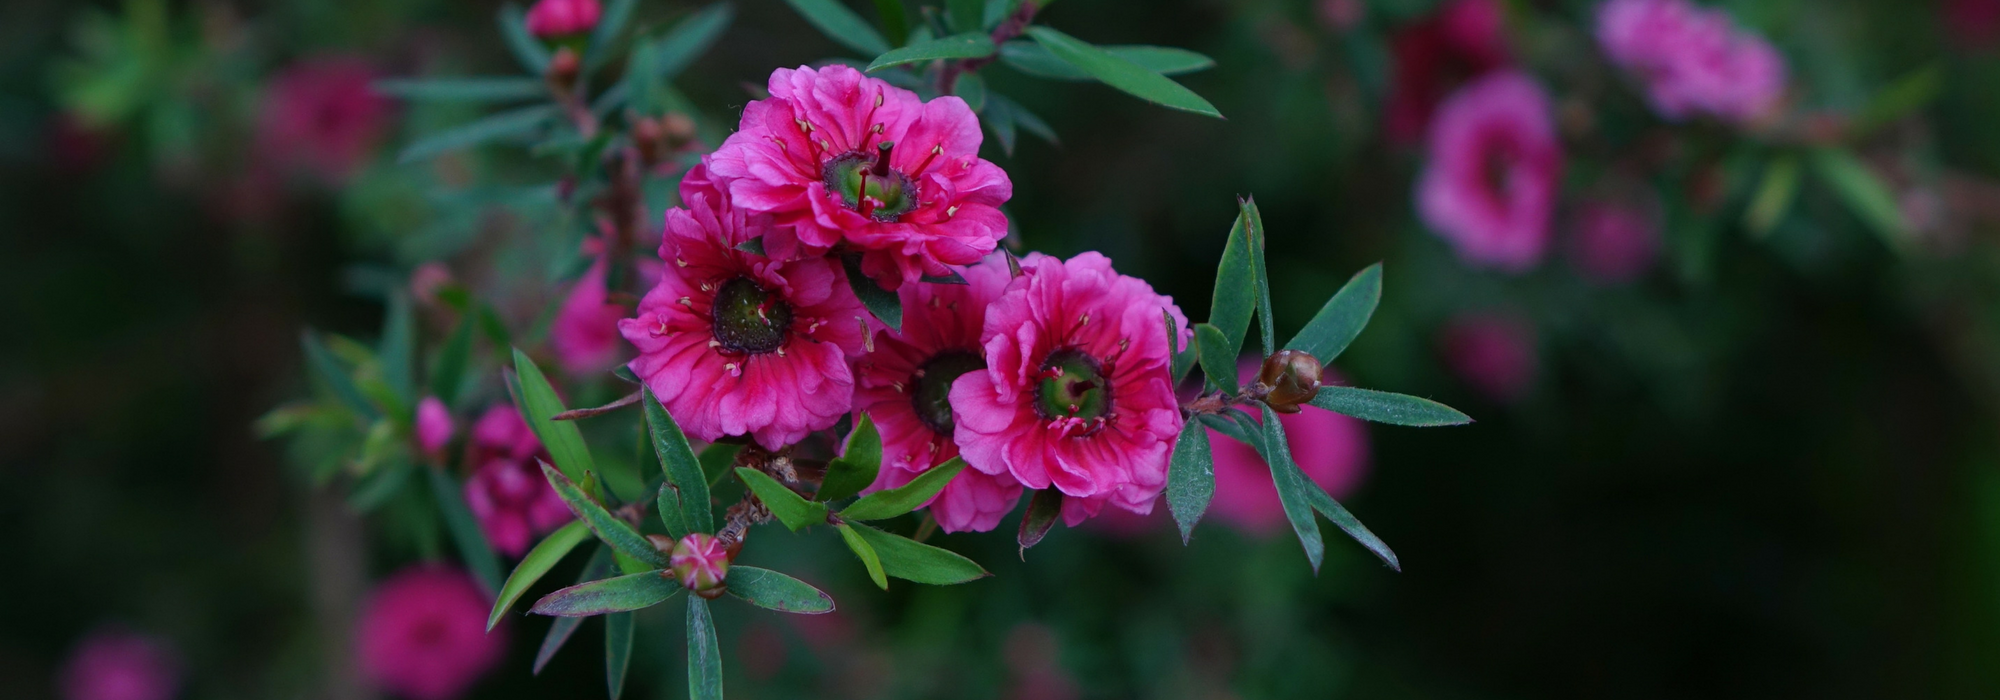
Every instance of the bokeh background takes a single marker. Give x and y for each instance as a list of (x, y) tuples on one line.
[(1765, 464)]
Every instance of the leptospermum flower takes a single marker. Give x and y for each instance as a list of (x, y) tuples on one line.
[(1492, 352), (422, 634), (321, 117), (736, 343), (114, 664), (554, 19), (1693, 61), (843, 160), (905, 386), (1465, 40), (1495, 164), (1077, 394), (507, 493), (585, 332), (1613, 241), (434, 426)]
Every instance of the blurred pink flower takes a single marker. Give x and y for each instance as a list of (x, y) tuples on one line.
[(1342, 15), (1493, 353), (422, 634), (550, 19), (1692, 60), (1973, 23), (1615, 242), (507, 492), (1076, 394), (428, 280), (1464, 40), (114, 664), (585, 333), (1330, 448), (839, 157), (905, 386), (321, 117), (1495, 169), (736, 343), (434, 426)]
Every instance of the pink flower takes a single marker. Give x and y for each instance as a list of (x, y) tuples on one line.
[(422, 634), (434, 426), (735, 343), (1973, 23), (585, 333), (1465, 40), (1615, 242), (1076, 394), (552, 19), (905, 385), (1494, 171), (1493, 353), (1692, 60), (114, 664), (841, 158), (320, 116), (1331, 448), (507, 492)]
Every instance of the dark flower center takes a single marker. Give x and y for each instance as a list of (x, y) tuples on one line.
[(932, 395), (869, 186), (1073, 386), (750, 319)]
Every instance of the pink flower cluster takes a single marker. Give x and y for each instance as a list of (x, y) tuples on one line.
[(114, 664), (1495, 170), (507, 493), (1693, 61), (422, 634), (1056, 377), (553, 19)]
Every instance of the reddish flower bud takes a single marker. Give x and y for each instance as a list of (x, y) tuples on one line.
[(650, 139), (434, 426), (552, 19), (564, 69), (1293, 377), (701, 562)]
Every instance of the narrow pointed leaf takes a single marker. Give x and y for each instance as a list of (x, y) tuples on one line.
[(1218, 361), (1031, 58), (911, 560), (1253, 228), (465, 533), (564, 627), (1233, 431), (704, 654), (883, 303), (793, 510), (890, 503), (769, 589), (1029, 121), (1121, 73), (514, 122), (611, 22), (1324, 503), (462, 89), (1340, 321), (865, 552), (1865, 193), (1292, 488), (857, 465), (690, 38), (1385, 407), (539, 404), (335, 376), (1235, 298), (967, 45), (624, 374), (999, 119), (448, 376), (842, 25), (1043, 511), (965, 15), (895, 20), (754, 245), (1183, 352), (685, 484), (1774, 195), (538, 562), (951, 277), (609, 528), (971, 88), (527, 49), (602, 597), (618, 650), (1190, 477)]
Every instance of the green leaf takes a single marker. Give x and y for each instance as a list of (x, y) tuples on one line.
[(1775, 194), (399, 351), (1031, 58), (999, 119), (1385, 407), (1865, 194), (1233, 430), (538, 562), (618, 649), (864, 551), (690, 38), (842, 25), (1122, 73), (462, 89), (1908, 94), (895, 20), (1254, 229), (890, 503), (885, 304), (966, 15), (971, 88), (335, 376), (465, 533), (539, 404), (527, 49), (754, 245), (1218, 361), (1340, 321), (1324, 503), (1028, 120), (704, 654), (769, 589), (1235, 299), (794, 511), (968, 45), (374, 490), (685, 492), (560, 631), (998, 10), (514, 122), (1292, 488), (857, 465), (609, 528), (911, 560), (716, 460), (1190, 477), (448, 375), (1183, 356), (617, 594), (610, 23), (1043, 509)]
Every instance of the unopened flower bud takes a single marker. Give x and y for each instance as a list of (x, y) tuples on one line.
[(434, 426), (650, 139), (1293, 377), (701, 562), (564, 69), (557, 19)]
